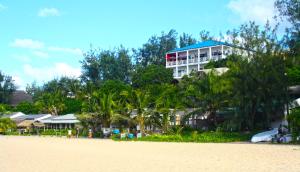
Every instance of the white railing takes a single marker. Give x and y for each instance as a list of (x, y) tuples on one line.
[(192, 60), (171, 63), (181, 62), (217, 57)]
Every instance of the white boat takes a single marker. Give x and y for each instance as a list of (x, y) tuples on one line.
[(264, 136)]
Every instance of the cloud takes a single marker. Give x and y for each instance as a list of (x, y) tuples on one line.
[(253, 10), (40, 54), (19, 82), (75, 51), (38, 45), (46, 12), (2, 7), (42, 74), (27, 43)]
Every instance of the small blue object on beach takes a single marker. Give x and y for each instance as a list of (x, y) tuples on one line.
[(116, 131), (130, 136)]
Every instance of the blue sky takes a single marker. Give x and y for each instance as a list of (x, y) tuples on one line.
[(40, 40)]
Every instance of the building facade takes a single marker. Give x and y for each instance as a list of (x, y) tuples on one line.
[(185, 60)]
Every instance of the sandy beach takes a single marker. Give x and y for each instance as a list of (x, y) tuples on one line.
[(48, 154)]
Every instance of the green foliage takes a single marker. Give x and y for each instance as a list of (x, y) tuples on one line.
[(216, 64), (27, 108), (5, 109), (151, 75), (293, 75), (72, 106), (6, 124), (294, 123), (205, 137), (290, 10), (186, 40), (154, 51), (7, 87), (100, 65)]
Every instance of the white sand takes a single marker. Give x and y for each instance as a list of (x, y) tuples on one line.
[(50, 154)]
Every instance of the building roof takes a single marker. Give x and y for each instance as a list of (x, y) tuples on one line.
[(30, 123), (20, 96), (209, 43), (35, 117), (64, 119), (13, 115)]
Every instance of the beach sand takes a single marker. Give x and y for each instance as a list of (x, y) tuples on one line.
[(52, 154)]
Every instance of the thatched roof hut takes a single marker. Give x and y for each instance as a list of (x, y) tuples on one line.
[(30, 124)]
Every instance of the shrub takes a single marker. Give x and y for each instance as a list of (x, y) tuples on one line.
[(6, 124), (294, 123)]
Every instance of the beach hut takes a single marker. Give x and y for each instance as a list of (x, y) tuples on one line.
[(61, 122), (29, 126)]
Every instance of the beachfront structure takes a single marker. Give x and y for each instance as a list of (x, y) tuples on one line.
[(185, 60), (13, 115), (60, 122), (31, 117)]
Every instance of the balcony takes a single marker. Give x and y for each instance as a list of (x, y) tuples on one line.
[(171, 63), (193, 60), (216, 57), (181, 62)]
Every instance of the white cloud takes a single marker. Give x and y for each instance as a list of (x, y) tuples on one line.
[(42, 74), (2, 7), (33, 44), (19, 82), (46, 12), (27, 43), (253, 10), (40, 54), (75, 51)]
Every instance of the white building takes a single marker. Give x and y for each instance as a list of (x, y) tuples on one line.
[(60, 122), (194, 57)]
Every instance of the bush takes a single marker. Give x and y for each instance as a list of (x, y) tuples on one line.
[(53, 132), (195, 136), (6, 124), (294, 123)]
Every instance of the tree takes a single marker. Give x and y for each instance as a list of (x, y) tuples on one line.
[(63, 95), (5, 109), (205, 36), (91, 67), (154, 51), (139, 101), (6, 124), (166, 105), (7, 87), (186, 40), (102, 65), (151, 75), (27, 108), (290, 10)]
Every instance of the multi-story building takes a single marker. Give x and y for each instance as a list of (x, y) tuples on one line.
[(194, 57)]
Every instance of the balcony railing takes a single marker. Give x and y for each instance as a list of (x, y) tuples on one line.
[(171, 63), (216, 57), (193, 60), (181, 62)]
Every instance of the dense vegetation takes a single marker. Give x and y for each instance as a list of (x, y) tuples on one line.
[(117, 83)]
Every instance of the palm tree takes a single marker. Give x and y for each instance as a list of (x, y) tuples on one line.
[(104, 105), (139, 101), (167, 104)]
